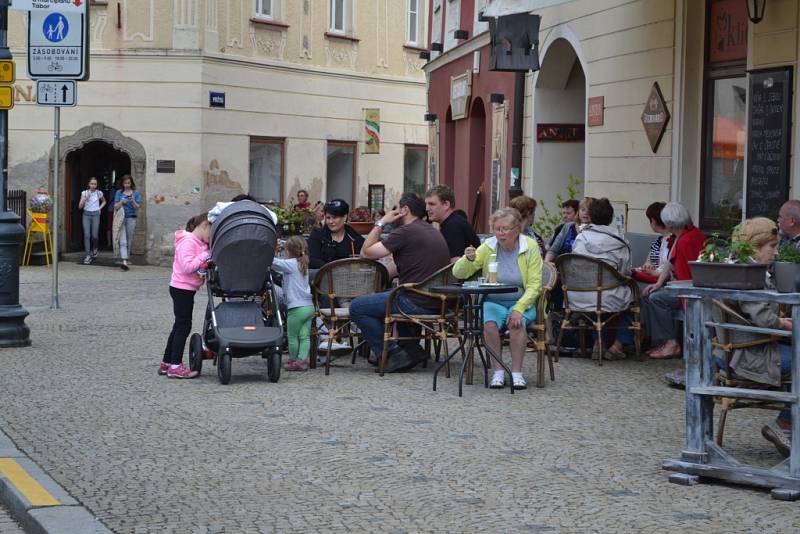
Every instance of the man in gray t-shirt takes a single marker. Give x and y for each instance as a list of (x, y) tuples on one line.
[(419, 251)]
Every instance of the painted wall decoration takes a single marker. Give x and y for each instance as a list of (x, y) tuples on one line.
[(372, 131)]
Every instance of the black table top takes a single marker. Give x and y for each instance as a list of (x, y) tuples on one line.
[(473, 290)]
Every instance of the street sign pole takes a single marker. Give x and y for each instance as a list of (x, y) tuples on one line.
[(56, 202), (13, 330)]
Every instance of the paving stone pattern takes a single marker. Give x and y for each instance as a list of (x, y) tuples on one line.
[(350, 452), (8, 525)]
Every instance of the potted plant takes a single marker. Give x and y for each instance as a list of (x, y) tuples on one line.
[(361, 219), (725, 265), (787, 270), (291, 221)]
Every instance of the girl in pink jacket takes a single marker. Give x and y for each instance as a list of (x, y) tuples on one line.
[(191, 252)]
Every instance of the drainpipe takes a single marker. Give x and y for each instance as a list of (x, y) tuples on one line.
[(515, 188)]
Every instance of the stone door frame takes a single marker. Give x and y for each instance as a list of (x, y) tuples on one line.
[(98, 131)]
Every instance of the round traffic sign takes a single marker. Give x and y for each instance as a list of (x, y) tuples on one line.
[(55, 27)]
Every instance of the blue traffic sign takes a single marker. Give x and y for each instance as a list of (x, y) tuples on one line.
[(55, 27)]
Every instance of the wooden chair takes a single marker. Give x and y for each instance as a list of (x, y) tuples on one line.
[(538, 332), (584, 274), (437, 327), (338, 280), (729, 341)]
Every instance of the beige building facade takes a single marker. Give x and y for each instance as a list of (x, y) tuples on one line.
[(584, 109), (296, 77)]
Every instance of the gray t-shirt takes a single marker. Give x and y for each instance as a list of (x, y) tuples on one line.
[(508, 273)]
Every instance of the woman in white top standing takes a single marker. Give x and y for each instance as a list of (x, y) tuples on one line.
[(92, 202)]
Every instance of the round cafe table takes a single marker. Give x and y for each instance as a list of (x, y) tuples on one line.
[(472, 338)]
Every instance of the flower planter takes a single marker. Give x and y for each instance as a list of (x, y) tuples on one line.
[(728, 275), (362, 227), (787, 277)]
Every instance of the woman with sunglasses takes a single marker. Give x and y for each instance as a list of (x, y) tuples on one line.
[(335, 239)]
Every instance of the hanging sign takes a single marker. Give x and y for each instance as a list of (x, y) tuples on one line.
[(63, 6), (57, 45), (655, 117)]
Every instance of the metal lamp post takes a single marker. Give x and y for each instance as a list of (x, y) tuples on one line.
[(13, 330)]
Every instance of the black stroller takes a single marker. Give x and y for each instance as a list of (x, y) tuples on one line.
[(247, 320)]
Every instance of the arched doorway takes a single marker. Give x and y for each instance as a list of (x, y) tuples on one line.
[(111, 142), (477, 160), (100, 160), (559, 98)]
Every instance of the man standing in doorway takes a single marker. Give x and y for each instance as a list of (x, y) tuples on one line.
[(440, 203), (789, 223), (419, 251)]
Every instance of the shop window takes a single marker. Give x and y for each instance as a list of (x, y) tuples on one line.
[(416, 161), (724, 113), (341, 174), (266, 169)]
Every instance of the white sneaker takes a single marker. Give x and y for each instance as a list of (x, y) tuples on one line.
[(498, 381), (519, 381)]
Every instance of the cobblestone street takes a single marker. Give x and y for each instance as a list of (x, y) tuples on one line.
[(350, 452)]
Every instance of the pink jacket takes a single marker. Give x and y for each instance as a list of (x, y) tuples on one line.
[(190, 252)]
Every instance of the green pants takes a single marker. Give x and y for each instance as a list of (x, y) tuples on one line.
[(298, 330)]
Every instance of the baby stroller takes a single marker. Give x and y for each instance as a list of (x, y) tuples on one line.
[(242, 248)]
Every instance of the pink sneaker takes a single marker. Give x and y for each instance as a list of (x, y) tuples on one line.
[(163, 368), (302, 365), (291, 365), (179, 371)]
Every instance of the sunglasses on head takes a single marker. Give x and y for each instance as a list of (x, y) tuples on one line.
[(333, 204)]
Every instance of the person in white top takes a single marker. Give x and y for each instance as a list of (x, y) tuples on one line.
[(298, 301), (92, 202)]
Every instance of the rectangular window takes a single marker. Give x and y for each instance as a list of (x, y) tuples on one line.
[(264, 9), (414, 177), (337, 15), (412, 24), (724, 111), (341, 174), (266, 169)]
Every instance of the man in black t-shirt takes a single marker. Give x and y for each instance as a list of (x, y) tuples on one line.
[(419, 251), (440, 203)]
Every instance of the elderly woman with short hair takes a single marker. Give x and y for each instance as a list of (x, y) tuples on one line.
[(520, 265), (659, 310)]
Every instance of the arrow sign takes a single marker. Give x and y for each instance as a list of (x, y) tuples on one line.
[(62, 6), (56, 92)]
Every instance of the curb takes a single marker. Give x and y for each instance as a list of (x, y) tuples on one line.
[(37, 501)]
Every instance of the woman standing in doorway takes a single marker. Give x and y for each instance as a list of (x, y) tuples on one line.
[(129, 200), (92, 202)]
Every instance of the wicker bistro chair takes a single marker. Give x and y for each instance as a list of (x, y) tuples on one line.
[(727, 341), (538, 331), (585, 274), (437, 326), (342, 279)]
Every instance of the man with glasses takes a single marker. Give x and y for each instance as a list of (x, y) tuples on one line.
[(440, 203), (789, 223), (419, 251)]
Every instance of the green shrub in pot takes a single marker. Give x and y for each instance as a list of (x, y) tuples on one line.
[(787, 270), (727, 265)]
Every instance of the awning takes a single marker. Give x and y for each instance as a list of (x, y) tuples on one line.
[(499, 8)]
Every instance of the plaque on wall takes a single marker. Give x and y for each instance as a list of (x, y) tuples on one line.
[(768, 140), (165, 166), (460, 93), (655, 117)]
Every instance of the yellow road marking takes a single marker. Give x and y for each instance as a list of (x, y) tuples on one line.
[(26, 484)]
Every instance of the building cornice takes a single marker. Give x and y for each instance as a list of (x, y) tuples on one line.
[(476, 43)]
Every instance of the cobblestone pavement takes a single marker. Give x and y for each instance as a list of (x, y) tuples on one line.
[(350, 452), (7, 523)]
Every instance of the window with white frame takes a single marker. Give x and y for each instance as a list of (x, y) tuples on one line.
[(412, 22), (265, 9), (338, 16)]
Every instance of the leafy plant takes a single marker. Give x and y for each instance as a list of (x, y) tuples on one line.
[(291, 220), (547, 220), (720, 250), (361, 214), (789, 254)]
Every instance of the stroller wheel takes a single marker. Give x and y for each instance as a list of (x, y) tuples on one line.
[(274, 366), (224, 367), (196, 353)]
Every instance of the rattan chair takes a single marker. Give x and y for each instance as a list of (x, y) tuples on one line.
[(584, 274), (538, 331), (729, 341), (338, 280), (437, 327)]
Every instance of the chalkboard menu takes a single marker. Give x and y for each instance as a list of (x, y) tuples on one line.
[(768, 142)]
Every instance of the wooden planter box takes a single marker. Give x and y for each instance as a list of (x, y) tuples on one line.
[(728, 275)]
